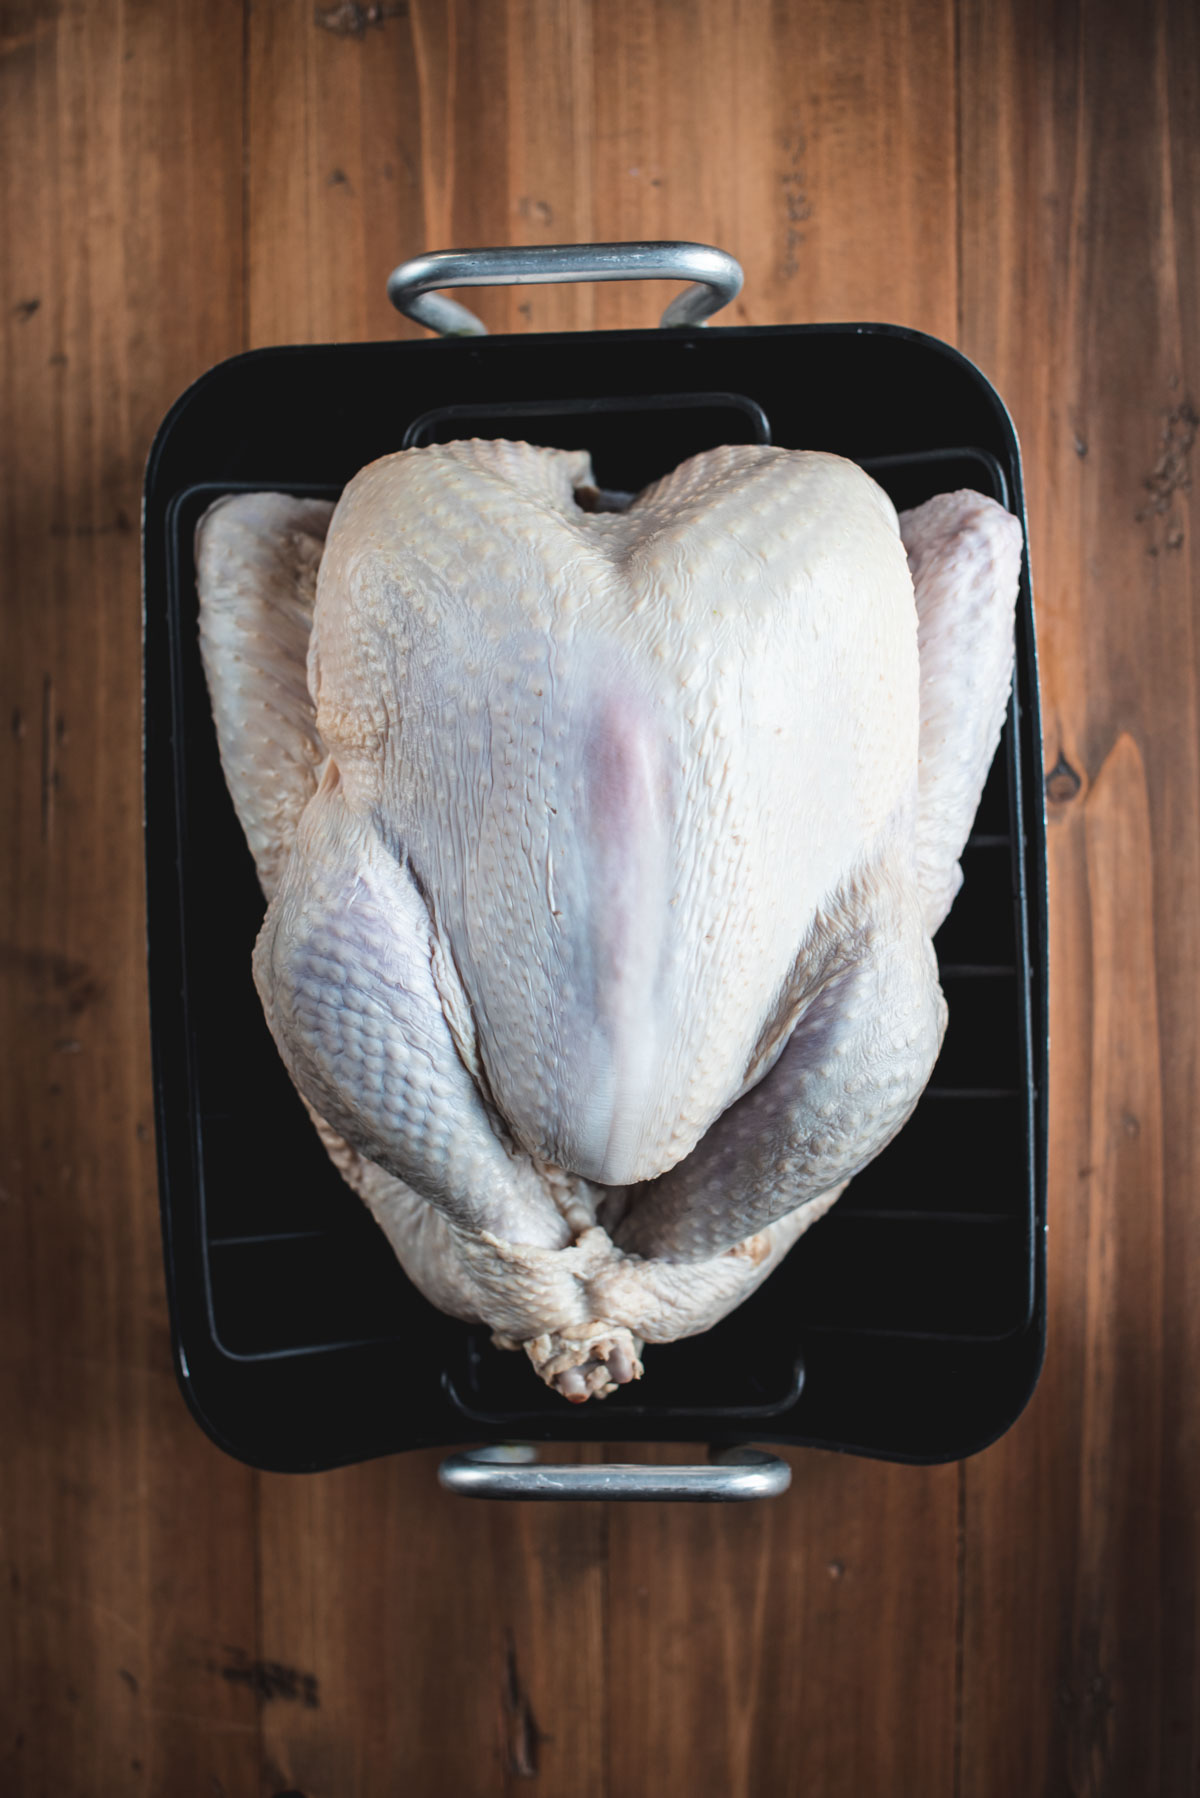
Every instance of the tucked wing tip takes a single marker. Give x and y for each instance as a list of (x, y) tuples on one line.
[(257, 560)]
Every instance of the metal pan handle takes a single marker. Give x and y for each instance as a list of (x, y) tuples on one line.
[(510, 1470), (716, 276)]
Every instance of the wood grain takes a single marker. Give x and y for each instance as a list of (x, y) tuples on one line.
[(459, 1645), (1080, 1594), (806, 1646), (128, 1541), (178, 183)]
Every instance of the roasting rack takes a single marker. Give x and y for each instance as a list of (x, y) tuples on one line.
[(909, 1324)]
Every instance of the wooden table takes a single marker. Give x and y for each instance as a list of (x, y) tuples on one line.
[(181, 182)]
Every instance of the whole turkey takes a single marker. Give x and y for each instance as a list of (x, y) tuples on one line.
[(604, 840)]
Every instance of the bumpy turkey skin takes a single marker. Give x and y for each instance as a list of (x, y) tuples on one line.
[(615, 812)]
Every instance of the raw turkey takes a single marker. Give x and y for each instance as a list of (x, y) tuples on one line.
[(603, 847)]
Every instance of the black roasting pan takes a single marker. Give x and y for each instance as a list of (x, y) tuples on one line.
[(909, 1325)]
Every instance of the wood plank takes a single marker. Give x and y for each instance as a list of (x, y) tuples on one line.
[(815, 143), (801, 1645), (127, 1538), (334, 163), (1080, 1643), (457, 1643)]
